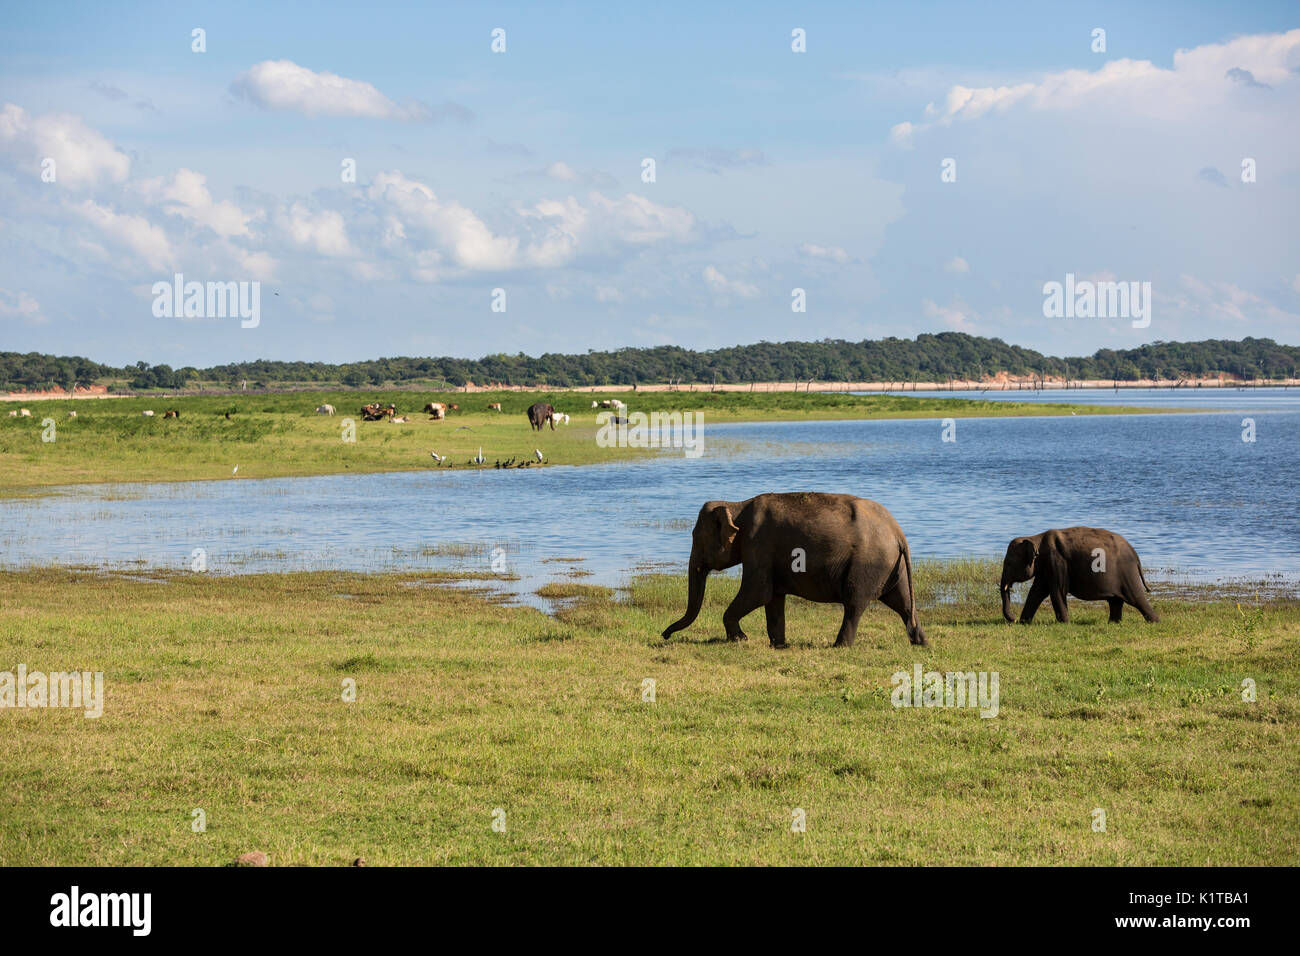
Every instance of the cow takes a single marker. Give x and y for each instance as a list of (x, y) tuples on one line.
[(13, 414), (400, 421), (539, 414), (562, 418), (72, 414), (374, 412), (325, 410), (148, 413), (494, 407), (171, 413), (437, 410), (25, 412), (453, 407)]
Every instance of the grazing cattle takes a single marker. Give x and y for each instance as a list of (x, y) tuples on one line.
[(539, 414), (494, 407), (325, 410), (13, 414), (171, 413), (560, 417), (148, 413), (375, 412), (595, 405), (437, 410), (25, 412), (453, 407), (606, 403), (72, 414)]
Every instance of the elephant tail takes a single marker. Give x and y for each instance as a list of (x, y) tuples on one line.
[(914, 632), (1143, 577)]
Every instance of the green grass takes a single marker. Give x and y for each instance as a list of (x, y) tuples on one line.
[(279, 435), (225, 694)]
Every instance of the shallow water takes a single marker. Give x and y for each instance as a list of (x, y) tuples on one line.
[(1186, 490)]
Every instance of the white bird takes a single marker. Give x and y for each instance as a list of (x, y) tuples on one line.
[(538, 453), (479, 459), (436, 457), (236, 471)]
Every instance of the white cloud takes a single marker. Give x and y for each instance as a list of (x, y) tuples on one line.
[(956, 315), (1199, 77), (144, 239), (323, 232), (957, 266), (454, 229), (284, 85), (829, 253), (723, 287), (1220, 300), (21, 305), (638, 220), (562, 172), (900, 134), (186, 195), (82, 156)]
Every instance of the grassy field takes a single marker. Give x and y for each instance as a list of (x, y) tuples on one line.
[(278, 435), (225, 695)]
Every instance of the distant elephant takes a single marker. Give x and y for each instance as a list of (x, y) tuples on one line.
[(832, 549), (539, 414), (1093, 564)]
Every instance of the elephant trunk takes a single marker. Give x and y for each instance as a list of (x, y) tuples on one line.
[(694, 599), (1006, 602)]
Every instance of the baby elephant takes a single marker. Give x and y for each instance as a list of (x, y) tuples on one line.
[(831, 549), (1091, 563)]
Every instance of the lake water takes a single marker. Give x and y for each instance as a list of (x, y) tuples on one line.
[(1194, 498)]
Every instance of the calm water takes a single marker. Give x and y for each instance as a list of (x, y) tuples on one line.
[(1185, 489), (1218, 398)]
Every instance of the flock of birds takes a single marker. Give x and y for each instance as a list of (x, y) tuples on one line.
[(478, 461)]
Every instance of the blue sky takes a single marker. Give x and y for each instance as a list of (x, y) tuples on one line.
[(522, 171)]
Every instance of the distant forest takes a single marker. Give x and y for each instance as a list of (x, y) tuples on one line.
[(940, 357)]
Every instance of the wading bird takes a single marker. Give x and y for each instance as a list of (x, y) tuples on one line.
[(479, 459), (436, 457)]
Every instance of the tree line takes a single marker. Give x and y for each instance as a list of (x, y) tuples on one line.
[(938, 357)]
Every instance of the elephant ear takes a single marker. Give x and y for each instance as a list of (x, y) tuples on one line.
[(1052, 562), (727, 528)]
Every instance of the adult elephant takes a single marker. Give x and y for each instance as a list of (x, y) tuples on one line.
[(539, 414), (1093, 564), (832, 549)]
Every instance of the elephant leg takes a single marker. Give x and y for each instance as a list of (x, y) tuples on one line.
[(1116, 609), (899, 600), (1060, 607), (753, 594), (849, 626), (1037, 594), (1138, 598), (776, 621)]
